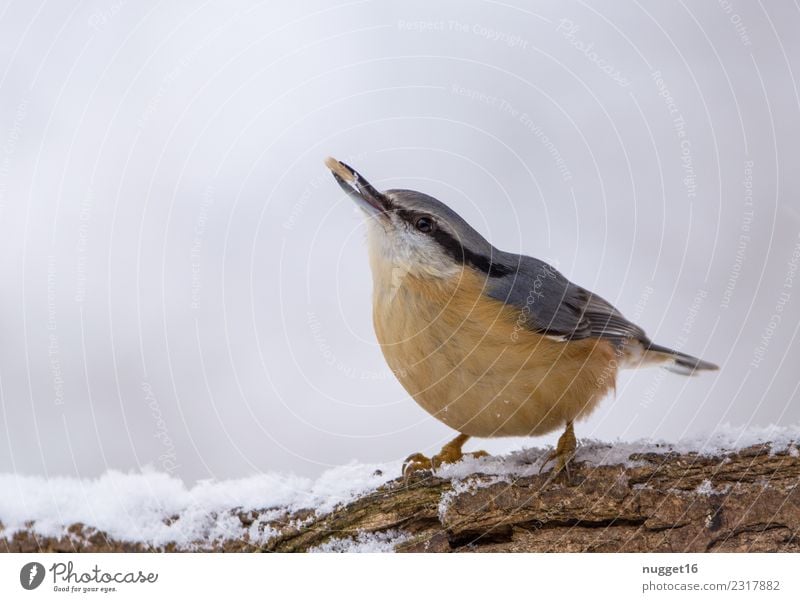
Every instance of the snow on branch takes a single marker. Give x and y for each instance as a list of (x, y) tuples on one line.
[(737, 489)]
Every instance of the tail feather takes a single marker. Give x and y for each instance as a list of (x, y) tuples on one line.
[(678, 362)]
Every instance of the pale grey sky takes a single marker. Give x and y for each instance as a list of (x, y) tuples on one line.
[(184, 286)]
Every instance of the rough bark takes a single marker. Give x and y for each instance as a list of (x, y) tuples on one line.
[(744, 501)]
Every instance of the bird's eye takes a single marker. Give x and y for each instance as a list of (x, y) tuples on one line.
[(425, 224)]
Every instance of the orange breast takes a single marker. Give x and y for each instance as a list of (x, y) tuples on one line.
[(469, 361)]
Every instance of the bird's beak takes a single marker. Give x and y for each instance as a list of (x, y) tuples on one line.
[(357, 188)]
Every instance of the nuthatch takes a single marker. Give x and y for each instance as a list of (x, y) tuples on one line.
[(491, 343)]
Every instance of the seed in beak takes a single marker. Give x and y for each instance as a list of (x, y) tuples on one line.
[(340, 170)]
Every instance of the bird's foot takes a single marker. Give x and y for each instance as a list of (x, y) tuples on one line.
[(450, 454), (416, 463), (562, 455), (421, 463), (448, 457)]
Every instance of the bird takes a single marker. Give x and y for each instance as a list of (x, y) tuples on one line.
[(491, 343)]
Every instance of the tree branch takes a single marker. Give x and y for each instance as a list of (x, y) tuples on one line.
[(656, 502)]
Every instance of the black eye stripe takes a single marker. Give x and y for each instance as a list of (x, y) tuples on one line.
[(465, 256), (409, 216), (454, 248)]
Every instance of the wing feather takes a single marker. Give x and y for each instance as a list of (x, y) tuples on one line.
[(552, 305)]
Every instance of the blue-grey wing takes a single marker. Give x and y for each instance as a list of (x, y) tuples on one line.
[(552, 305)]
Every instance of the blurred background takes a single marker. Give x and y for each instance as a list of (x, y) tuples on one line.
[(183, 286)]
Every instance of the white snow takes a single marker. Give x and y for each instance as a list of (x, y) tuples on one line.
[(726, 438), (155, 508), (364, 543)]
